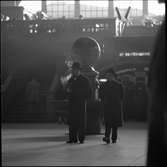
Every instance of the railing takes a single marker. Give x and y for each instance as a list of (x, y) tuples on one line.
[(61, 26), (139, 30)]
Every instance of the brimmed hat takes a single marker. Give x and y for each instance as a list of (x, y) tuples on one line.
[(76, 65)]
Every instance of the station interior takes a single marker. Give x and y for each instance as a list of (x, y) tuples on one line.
[(36, 48)]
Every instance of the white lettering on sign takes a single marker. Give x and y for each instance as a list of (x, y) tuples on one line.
[(126, 54)]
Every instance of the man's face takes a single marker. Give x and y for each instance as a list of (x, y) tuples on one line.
[(75, 71)]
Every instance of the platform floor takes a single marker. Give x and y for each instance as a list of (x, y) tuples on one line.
[(44, 145)]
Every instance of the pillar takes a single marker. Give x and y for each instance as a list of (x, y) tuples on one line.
[(17, 2), (145, 7), (90, 47), (77, 8), (110, 8), (43, 6)]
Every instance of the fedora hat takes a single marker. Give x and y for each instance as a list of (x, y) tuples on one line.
[(76, 65)]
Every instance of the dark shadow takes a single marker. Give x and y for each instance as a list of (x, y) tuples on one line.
[(105, 144)]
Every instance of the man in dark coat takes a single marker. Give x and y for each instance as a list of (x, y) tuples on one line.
[(79, 90), (111, 95)]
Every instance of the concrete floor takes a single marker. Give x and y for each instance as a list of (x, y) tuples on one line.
[(44, 145)]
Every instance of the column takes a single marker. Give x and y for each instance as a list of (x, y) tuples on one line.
[(89, 46), (110, 8), (17, 2), (145, 7), (43, 6), (77, 8)]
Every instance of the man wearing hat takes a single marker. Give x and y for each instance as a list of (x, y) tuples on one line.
[(111, 95), (79, 90)]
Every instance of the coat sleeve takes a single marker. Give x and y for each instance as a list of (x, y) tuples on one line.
[(101, 92), (68, 88), (121, 92), (87, 90)]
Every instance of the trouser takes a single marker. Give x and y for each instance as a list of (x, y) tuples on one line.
[(108, 127), (76, 132), (32, 107)]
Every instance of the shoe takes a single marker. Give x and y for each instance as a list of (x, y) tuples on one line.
[(113, 141), (81, 142), (106, 139), (75, 141)]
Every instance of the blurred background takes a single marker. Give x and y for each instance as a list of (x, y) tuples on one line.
[(36, 42)]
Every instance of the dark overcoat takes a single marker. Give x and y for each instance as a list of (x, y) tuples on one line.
[(111, 95), (80, 91)]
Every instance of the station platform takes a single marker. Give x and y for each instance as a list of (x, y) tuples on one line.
[(45, 145)]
